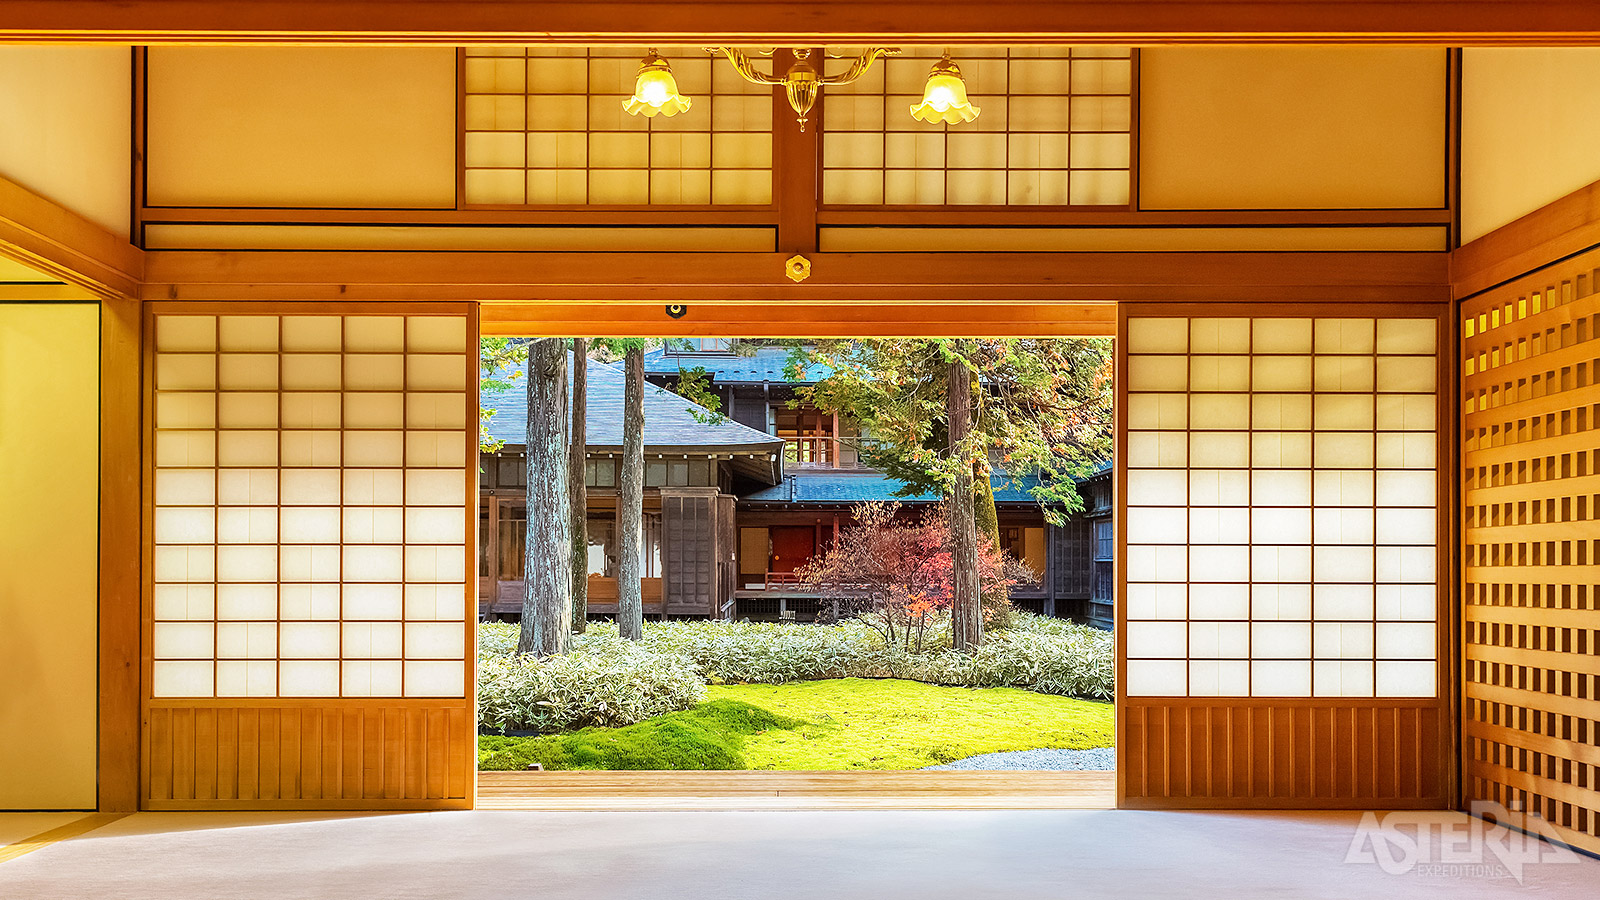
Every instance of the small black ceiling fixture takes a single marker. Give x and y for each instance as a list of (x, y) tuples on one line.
[(677, 310)]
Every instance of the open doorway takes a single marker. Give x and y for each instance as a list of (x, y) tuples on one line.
[(796, 571)]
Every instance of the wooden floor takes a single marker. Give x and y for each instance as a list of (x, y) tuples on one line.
[(795, 790)]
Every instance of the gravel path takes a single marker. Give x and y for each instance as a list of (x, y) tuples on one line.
[(1095, 759)]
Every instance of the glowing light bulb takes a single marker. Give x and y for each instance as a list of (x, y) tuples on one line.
[(655, 92), (944, 99)]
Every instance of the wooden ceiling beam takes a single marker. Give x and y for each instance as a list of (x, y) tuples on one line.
[(870, 278), (801, 320), (1448, 22), (58, 242)]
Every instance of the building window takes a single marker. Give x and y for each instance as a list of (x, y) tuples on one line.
[(603, 552), (807, 434), (1056, 129), (545, 126), (1026, 545), (702, 345)]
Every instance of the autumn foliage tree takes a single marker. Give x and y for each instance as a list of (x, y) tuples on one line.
[(896, 572)]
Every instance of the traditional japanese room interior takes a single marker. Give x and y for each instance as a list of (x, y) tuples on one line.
[(1347, 253)]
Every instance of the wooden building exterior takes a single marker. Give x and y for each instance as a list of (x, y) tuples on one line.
[(693, 466)]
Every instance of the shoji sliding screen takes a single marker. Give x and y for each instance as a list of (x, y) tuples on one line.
[(310, 508), (1282, 633)]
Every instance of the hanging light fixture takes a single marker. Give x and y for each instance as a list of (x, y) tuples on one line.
[(655, 92), (802, 82), (945, 97)]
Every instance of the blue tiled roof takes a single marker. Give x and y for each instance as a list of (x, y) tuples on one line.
[(863, 487), (767, 364), (669, 420)]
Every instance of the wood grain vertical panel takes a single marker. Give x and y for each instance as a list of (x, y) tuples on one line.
[(205, 754), (416, 753), (158, 754), (249, 755), (183, 754), (121, 558), (288, 754), (228, 753), (436, 736)]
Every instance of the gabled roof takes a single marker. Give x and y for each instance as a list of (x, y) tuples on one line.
[(864, 487), (669, 420), (767, 364)]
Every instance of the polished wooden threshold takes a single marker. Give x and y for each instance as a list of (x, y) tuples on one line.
[(795, 790)]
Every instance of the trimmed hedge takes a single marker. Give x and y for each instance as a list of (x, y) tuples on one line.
[(609, 681)]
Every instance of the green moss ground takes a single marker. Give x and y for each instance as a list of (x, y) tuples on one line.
[(835, 724)]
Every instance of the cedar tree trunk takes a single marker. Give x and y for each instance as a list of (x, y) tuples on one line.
[(546, 603), (630, 500), (577, 486), (966, 620)]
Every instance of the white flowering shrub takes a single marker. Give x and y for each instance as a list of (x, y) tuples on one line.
[(606, 682)]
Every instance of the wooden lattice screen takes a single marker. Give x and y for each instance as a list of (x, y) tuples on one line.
[(689, 527), (1531, 706)]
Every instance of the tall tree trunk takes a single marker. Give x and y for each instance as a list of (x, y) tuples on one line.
[(966, 620), (985, 513), (547, 579), (577, 486), (630, 500)]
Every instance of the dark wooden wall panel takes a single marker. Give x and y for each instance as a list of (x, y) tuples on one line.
[(297, 756), (1531, 537)]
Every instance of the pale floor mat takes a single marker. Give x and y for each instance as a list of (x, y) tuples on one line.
[(883, 855)]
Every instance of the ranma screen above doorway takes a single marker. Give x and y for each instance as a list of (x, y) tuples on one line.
[(1282, 507), (309, 520)]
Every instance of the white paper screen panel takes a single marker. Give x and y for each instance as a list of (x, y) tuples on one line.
[(309, 509), (1281, 507), (1054, 129), (545, 126)]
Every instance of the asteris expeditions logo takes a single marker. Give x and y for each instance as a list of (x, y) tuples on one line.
[(1442, 845)]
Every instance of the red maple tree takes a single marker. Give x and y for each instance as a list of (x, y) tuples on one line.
[(893, 570)]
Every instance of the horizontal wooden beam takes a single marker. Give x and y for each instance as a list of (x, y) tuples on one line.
[(883, 278), (1449, 22), (801, 320), (1550, 233), (60, 243)]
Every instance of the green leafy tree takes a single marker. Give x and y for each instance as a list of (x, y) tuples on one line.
[(630, 487), (1035, 406)]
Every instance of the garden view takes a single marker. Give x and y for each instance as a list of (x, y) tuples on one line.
[(802, 555)]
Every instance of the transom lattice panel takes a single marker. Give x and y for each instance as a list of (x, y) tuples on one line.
[(1282, 507), (545, 126), (1055, 129), (309, 520), (1530, 493)]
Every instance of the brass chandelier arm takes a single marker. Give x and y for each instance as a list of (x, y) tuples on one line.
[(860, 66), (747, 69)]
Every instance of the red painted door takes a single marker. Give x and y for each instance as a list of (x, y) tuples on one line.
[(792, 546)]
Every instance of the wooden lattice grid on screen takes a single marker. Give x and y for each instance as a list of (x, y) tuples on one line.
[(1531, 548), (1282, 512), (544, 126), (1057, 127), (308, 515)]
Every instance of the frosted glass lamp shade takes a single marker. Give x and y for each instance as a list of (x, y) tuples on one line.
[(944, 98), (655, 91)]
